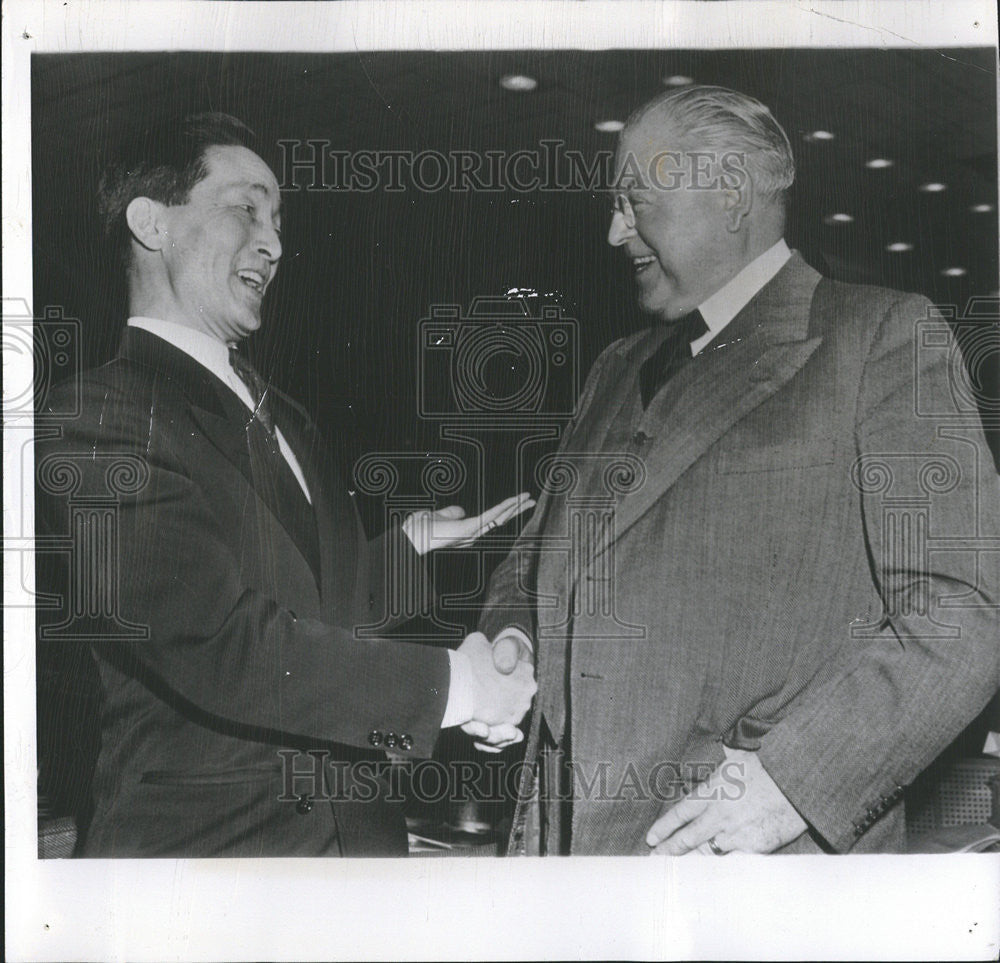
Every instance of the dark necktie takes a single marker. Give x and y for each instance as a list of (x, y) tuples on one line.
[(665, 362), (273, 477), (258, 389)]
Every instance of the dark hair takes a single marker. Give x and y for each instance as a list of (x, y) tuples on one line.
[(163, 162)]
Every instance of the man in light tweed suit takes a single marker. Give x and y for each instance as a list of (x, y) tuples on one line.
[(787, 606)]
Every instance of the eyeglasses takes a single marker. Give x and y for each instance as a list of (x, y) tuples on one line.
[(623, 206)]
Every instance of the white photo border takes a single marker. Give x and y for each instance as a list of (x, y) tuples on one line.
[(737, 908)]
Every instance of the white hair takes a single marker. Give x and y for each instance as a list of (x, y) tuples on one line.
[(722, 120)]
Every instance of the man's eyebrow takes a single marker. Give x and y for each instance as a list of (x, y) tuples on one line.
[(258, 189)]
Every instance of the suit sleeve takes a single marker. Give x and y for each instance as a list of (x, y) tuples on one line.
[(928, 503), (393, 601), (394, 583), (215, 646)]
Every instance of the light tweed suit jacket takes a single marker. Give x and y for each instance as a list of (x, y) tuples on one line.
[(792, 550)]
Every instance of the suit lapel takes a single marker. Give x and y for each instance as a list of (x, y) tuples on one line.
[(223, 419), (756, 354), (335, 517), (206, 395), (741, 380)]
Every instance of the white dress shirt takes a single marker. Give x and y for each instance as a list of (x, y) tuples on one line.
[(212, 354), (719, 309)]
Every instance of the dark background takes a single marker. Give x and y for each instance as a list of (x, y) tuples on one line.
[(360, 270)]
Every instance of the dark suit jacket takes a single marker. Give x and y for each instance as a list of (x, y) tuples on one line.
[(224, 633), (789, 557)]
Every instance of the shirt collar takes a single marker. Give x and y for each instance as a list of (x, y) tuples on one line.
[(732, 297), (209, 352)]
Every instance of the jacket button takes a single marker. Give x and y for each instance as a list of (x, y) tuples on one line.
[(640, 438), (375, 738), (405, 741), (304, 805), (390, 740), (292, 615), (371, 601)]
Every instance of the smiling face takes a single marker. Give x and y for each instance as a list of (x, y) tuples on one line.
[(677, 237), (221, 248)]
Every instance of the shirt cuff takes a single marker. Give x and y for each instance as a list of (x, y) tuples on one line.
[(459, 708)]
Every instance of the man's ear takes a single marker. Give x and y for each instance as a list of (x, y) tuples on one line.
[(737, 202), (145, 220)]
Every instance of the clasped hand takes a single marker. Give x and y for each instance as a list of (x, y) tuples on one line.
[(504, 685)]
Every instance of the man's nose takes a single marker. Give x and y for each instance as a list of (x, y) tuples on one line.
[(619, 232), (269, 243)]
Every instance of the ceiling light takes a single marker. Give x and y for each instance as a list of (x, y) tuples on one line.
[(953, 272), (933, 187), (820, 135), (677, 80), (878, 163), (981, 208), (838, 219), (609, 126), (518, 82), (898, 246)]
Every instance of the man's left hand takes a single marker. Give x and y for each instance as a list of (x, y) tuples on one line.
[(449, 528), (739, 808)]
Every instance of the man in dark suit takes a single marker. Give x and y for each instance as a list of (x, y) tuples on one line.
[(761, 583), (242, 714)]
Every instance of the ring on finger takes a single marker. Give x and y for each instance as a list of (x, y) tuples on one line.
[(716, 849)]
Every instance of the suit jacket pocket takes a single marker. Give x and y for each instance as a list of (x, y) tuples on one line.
[(225, 777), (802, 453)]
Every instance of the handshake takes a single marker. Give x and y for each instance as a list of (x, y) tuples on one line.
[(501, 684)]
